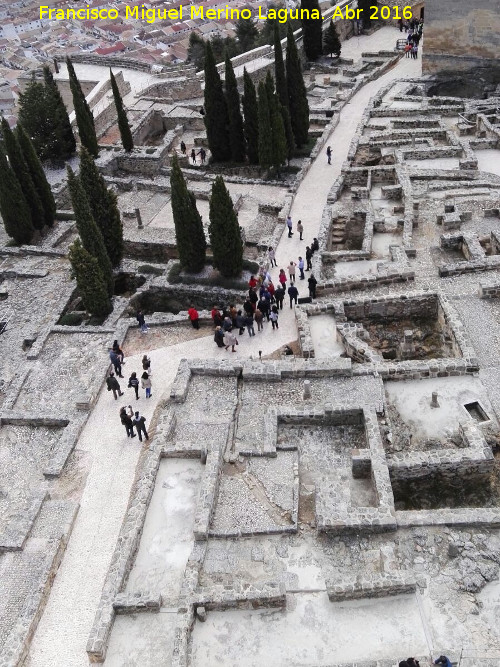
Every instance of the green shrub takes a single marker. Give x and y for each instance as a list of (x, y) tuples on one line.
[(149, 268), (174, 277), (72, 319)]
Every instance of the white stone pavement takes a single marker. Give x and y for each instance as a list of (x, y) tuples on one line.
[(62, 633)]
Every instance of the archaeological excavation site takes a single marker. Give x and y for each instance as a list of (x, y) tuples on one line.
[(325, 493)]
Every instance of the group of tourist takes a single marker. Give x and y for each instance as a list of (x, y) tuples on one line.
[(414, 34), (202, 153), (412, 662), (129, 418)]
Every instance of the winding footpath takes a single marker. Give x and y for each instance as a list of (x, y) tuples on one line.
[(111, 458)]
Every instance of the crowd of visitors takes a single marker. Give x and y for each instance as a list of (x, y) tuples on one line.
[(129, 418), (414, 30)]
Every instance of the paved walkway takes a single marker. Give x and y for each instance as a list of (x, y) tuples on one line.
[(62, 633)]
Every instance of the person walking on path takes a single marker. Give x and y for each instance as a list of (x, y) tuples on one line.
[(263, 306), (133, 383), (219, 336), (252, 295), (146, 364), (259, 318), (279, 295), (329, 155), (300, 229), (247, 307), (240, 322), (274, 317), (127, 422), (282, 278), (114, 386), (146, 384), (230, 340), (117, 364), (249, 324), (202, 154), (194, 317), (272, 256), (142, 322), (301, 268), (293, 293), (183, 148), (291, 271), (118, 350), (139, 422), (308, 258), (216, 317), (312, 282), (193, 156), (289, 225), (252, 283)]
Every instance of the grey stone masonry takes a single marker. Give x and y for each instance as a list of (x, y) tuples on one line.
[(334, 514), (489, 290), (242, 596), (17, 530), (372, 586), (123, 555), (481, 517), (132, 603), (475, 458)]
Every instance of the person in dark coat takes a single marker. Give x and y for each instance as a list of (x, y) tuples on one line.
[(314, 245), (279, 295), (293, 293), (263, 306), (247, 307), (133, 383), (139, 422), (240, 322), (219, 336), (127, 422), (253, 298), (142, 322), (114, 386), (117, 364), (309, 255), (118, 350), (312, 282)]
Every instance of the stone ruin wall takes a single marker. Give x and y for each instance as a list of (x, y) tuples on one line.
[(461, 36)]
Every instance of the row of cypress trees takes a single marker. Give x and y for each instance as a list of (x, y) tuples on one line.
[(44, 116), (232, 135), (224, 231), (26, 200), (100, 246)]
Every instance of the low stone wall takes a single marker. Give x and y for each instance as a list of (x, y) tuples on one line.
[(489, 290), (476, 458), (372, 586)]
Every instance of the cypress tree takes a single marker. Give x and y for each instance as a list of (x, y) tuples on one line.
[(90, 233), (189, 234), (236, 136), (20, 168), (278, 134), (84, 117), (15, 211), (297, 96), (123, 126), (251, 124), (224, 231), (331, 41), (265, 138), (279, 68), (34, 117), (104, 207), (37, 175), (312, 29), (90, 280), (62, 140), (216, 115)]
